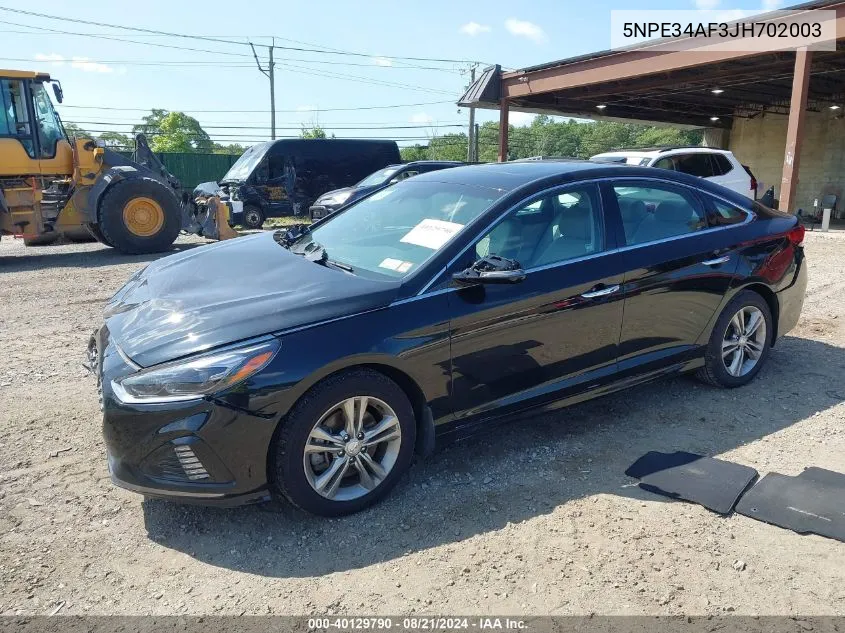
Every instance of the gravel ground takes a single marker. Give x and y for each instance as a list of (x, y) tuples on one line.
[(535, 517)]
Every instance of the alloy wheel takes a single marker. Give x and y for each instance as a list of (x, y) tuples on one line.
[(744, 341), (352, 448)]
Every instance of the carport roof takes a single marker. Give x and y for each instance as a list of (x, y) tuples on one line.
[(647, 82)]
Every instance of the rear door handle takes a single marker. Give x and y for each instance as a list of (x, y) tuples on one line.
[(600, 292), (717, 261)]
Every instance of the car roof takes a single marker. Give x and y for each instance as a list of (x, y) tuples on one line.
[(511, 175), (649, 152), (507, 177)]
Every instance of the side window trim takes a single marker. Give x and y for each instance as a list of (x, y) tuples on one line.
[(611, 243)]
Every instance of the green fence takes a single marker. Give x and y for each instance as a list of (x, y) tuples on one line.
[(192, 169)]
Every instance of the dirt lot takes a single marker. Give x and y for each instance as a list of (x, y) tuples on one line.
[(532, 518)]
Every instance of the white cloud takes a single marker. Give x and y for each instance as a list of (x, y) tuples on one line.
[(474, 28), (422, 118), (520, 119), (80, 63), (772, 5), (382, 61), (53, 58), (85, 64), (706, 5), (522, 28)]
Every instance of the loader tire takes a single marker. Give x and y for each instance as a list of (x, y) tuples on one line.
[(94, 230), (44, 239), (139, 215)]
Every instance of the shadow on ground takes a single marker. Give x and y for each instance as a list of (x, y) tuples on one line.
[(514, 471), (93, 256)]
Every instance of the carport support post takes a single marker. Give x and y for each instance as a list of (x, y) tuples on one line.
[(795, 129), (503, 130)]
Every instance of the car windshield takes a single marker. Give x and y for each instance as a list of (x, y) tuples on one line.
[(244, 166), (396, 230), (378, 177)]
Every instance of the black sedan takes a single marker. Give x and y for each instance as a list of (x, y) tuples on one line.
[(331, 201), (316, 363)]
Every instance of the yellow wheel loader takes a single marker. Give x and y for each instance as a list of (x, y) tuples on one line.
[(51, 185)]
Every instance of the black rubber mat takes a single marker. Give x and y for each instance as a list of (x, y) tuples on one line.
[(813, 502), (713, 483), (823, 476)]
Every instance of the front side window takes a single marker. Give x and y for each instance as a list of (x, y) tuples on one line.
[(49, 128), (393, 232), (14, 118), (552, 229), (655, 212)]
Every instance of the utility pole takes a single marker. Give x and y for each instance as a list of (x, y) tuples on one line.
[(475, 144), (268, 72), (472, 154), (272, 77)]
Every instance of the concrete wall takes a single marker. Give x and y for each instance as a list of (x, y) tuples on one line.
[(760, 143)]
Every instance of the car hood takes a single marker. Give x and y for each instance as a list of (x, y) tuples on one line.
[(356, 192), (230, 291)]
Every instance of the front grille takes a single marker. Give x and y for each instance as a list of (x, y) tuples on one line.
[(190, 463)]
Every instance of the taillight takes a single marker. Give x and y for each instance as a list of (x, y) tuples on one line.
[(796, 235), (753, 184)]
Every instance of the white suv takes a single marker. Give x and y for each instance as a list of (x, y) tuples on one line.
[(718, 165)]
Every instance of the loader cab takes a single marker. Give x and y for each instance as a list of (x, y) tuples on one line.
[(32, 138)]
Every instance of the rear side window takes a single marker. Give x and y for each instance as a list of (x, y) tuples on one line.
[(694, 164), (721, 165), (722, 213), (653, 212)]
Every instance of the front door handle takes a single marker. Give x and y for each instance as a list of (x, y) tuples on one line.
[(600, 292), (717, 261)]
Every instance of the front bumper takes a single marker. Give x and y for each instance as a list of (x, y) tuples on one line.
[(195, 451)]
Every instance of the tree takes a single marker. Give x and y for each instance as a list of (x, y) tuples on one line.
[(174, 132), (448, 147), (415, 152), (235, 149), (74, 131), (315, 131)]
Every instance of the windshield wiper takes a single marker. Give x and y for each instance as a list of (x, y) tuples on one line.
[(345, 267), (317, 253), (286, 237)]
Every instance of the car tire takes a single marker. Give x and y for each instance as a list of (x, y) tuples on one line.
[(738, 348), (139, 215), (355, 483), (253, 217)]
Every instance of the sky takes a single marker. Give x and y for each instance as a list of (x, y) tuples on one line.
[(109, 81)]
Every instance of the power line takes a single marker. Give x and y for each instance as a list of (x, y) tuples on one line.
[(266, 110), (135, 62), (297, 127), (321, 50)]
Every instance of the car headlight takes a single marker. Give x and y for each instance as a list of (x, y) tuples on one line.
[(195, 377), (337, 198)]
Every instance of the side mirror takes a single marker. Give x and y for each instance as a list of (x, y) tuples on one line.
[(57, 90), (491, 270)]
